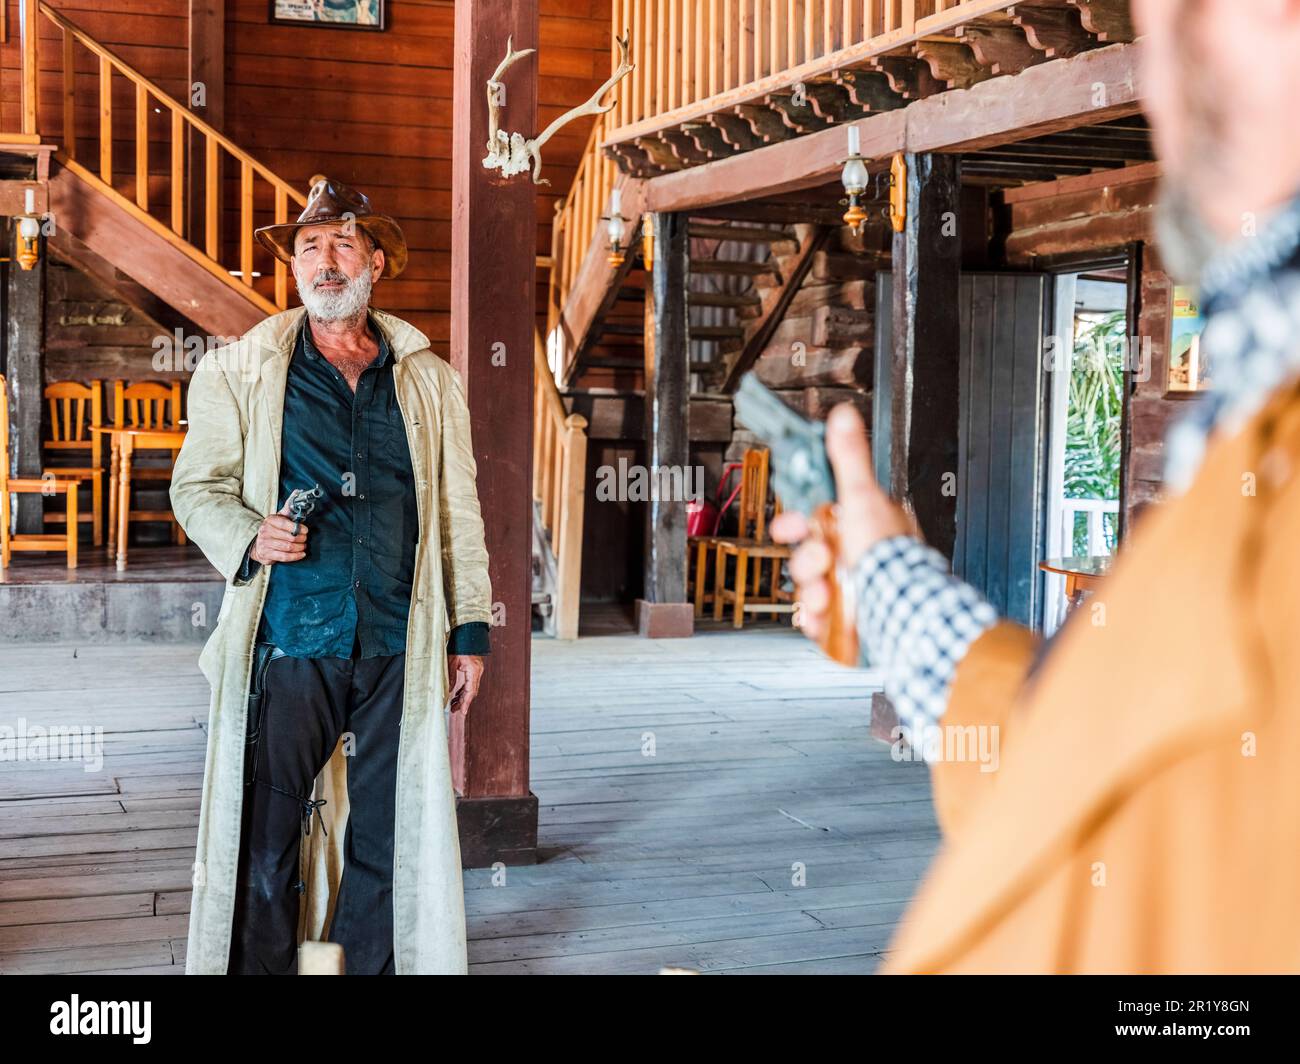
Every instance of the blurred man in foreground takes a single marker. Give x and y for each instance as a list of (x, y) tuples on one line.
[(1144, 814)]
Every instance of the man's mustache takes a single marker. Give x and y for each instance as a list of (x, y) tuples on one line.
[(331, 275)]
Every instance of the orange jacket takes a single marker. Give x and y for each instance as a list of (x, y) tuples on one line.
[(1145, 815)]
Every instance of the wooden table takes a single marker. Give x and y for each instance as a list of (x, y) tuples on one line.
[(1082, 573), (125, 441)]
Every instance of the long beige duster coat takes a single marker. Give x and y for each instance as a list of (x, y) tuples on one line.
[(225, 481)]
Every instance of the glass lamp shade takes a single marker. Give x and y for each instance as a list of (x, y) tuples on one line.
[(854, 177), (614, 228), (29, 228)]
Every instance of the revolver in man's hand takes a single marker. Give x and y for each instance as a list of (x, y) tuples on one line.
[(282, 537), (805, 484)]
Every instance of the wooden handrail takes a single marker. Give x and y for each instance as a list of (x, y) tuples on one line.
[(203, 242), (174, 105), (578, 219), (559, 487)]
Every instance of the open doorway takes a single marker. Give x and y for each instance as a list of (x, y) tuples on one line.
[(1085, 424)]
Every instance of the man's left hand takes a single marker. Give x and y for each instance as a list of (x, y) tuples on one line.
[(465, 672)]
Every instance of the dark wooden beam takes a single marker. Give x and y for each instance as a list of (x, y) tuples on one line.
[(926, 338), (775, 311), (492, 267), (24, 374), (664, 610)]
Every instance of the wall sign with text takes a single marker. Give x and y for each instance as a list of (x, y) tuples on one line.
[(331, 14)]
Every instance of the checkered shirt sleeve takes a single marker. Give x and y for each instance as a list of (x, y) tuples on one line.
[(916, 620)]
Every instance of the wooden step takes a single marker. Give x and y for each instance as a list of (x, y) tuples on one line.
[(613, 363), (722, 299), (631, 295), (618, 328), (731, 267), (716, 332), (750, 234)]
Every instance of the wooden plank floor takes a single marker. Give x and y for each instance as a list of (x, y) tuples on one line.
[(712, 803)]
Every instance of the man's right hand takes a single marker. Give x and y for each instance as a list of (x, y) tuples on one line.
[(865, 514), (276, 542)]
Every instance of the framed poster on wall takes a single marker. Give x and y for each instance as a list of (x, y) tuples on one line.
[(331, 14), (1189, 364)]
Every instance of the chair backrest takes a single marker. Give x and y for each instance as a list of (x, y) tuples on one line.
[(146, 404), (753, 494), (75, 409)]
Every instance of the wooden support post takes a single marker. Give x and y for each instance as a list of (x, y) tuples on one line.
[(926, 324), (664, 610), (24, 369), (493, 289)]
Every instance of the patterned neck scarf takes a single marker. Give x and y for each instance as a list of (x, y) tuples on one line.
[(1250, 295)]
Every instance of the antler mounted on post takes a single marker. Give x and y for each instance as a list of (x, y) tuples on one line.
[(511, 153)]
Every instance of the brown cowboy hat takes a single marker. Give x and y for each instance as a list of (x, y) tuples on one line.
[(333, 201)]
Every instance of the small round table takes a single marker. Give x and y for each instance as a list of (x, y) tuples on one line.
[(125, 441), (1082, 573)]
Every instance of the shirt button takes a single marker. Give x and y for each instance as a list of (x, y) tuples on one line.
[(360, 454), (360, 496), (356, 583), (360, 539)]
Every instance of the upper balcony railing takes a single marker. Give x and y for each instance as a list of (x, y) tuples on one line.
[(697, 57)]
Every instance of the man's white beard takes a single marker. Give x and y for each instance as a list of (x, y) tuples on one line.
[(341, 304), (1186, 242)]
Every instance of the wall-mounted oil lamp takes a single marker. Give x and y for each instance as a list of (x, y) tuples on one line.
[(615, 226), (855, 179), (29, 231), (890, 192)]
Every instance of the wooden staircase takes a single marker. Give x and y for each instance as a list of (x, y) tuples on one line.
[(162, 220), (741, 278)]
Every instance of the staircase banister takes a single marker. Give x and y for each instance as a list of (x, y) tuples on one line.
[(551, 399), (128, 71)]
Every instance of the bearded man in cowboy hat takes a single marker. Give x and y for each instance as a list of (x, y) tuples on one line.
[(341, 636)]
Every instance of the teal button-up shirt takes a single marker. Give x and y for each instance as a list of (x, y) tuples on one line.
[(350, 596)]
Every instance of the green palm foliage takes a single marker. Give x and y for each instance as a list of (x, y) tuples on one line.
[(1092, 443)]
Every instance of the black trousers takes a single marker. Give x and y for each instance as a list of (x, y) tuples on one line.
[(306, 705)]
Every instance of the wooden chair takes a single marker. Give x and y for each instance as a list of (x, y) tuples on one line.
[(76, 410), (47, 484), (147, 405), (699, 549), (751, 545)]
